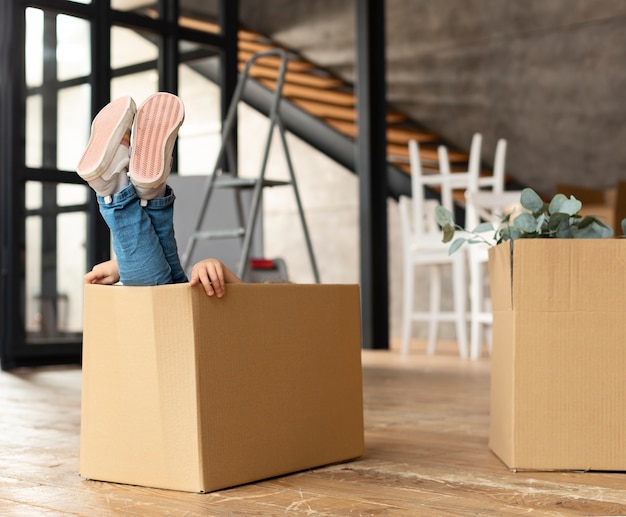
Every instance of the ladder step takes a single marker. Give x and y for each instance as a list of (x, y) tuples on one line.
[(219, 234), (228, 181)]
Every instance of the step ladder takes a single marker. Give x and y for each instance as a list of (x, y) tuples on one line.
[(221, 179)]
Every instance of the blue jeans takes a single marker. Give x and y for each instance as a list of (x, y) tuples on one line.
[(143, 238)]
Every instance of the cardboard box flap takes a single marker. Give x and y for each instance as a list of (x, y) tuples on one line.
[(500, 277), (559, 275)]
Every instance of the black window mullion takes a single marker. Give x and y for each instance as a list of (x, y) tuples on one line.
[(98, 243), (229, 28), (12, 205), (48, 291)]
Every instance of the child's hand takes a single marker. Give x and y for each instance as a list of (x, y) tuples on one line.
[(213, 275), (103, 273)]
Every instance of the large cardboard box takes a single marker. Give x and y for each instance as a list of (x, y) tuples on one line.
[(558, 385), (189, 392)]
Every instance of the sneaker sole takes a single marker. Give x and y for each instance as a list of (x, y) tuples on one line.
[(107, 131), (156, 128)]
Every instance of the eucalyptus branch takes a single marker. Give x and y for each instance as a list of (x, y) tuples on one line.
[(559, 218)]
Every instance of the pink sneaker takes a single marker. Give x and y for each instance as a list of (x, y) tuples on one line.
[(156, 128), (107, 152)]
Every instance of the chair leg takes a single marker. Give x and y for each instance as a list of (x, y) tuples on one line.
[(476, 302), (407, 307), (435, 307), (459, 289)]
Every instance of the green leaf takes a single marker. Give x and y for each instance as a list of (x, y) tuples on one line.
[(596, 229), (448, 232), (504, 234), (559, 225), (483, 227), (530, 200), (586, 221), (555, 204), (456, 245), (443, 216), (525, 222), (541, 220), (571, 206)]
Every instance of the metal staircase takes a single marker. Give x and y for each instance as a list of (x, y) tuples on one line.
[(222, 179)]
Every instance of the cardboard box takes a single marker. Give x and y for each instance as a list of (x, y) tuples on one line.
[(558, 382), (188, 392)]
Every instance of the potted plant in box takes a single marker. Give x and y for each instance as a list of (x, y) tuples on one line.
[(559, 321), (560, 218)]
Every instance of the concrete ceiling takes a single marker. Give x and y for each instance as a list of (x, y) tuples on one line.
[(548, 76)]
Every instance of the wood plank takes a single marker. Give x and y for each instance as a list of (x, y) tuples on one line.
[(306, 79), (402, 135), (274, 61), (255, 46), (247, 34), (324, 110), (347, 128), (426, 434), (402, 151), (351, 128), (428, 156), (212, 27), (336, 97)]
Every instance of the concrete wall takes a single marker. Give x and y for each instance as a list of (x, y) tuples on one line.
[(547, 75)]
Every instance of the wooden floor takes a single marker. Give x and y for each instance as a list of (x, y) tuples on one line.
[(426, 453)]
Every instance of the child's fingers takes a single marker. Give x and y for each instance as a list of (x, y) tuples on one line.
[(210, 274), (205, 280), (217, 278)]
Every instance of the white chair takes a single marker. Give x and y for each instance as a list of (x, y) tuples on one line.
[(485, 200), (476, 254), (423, 246)]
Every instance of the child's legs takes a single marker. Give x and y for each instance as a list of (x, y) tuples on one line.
[(161, 213), (140, 258)]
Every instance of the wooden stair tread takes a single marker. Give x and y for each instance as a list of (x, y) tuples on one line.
[(299, 78), (397, 135), (403, 151), (212, 27), (274, 61), (427, 167), (323, 109), (255, 46), (329, 96), (429, 159), (350, 128)]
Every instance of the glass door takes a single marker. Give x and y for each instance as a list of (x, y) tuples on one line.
[(45, 209), (60, 62)]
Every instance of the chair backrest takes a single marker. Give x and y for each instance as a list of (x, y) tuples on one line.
[(493, 184), (470, 179), (491, 206), (447, 181), (444, 181)]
